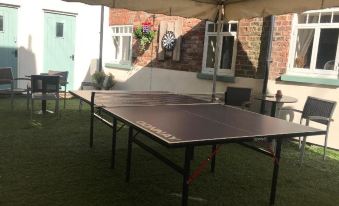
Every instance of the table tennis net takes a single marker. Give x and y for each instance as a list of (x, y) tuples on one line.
[(148, 99)]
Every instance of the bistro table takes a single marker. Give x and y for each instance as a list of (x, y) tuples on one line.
[(43, 102), (275, 100)]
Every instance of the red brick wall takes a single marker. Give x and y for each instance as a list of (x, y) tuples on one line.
[(252, 43), (191, 46), (280, 45)]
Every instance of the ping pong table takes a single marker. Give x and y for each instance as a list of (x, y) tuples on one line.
[(180, 121)]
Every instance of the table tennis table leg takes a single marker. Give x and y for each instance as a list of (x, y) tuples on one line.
[(275, 172), (187, 165), (91, 121), (129, 153), (114, 140), (214, 147)]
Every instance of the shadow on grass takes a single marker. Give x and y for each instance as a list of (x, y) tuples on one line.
[(47, 161)]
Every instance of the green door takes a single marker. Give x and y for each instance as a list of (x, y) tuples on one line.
[(59, 44), (8, 34)]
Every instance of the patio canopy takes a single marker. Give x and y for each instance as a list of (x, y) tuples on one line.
[(216, 10), (207, 9)]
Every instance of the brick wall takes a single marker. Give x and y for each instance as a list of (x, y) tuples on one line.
[(280, 45), (251, 48)]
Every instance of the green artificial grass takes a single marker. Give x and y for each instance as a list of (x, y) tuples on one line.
[(47, 161)]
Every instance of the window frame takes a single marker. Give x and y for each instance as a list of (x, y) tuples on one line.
[(312, 71), (119, 60), (220, 72)]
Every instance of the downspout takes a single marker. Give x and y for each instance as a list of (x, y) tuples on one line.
[(268, 62), (101, 37)]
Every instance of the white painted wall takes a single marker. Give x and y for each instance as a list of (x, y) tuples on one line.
[(301, 91), (30, 37)]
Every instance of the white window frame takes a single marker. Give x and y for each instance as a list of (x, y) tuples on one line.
[(220, 72), (312, 71), (121, 33)]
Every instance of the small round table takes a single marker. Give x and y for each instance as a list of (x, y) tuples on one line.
[(274, 100)]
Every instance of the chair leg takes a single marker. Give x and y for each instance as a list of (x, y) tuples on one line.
[(302, 151), (325, 147), (80, 105), (57, 107), (65, 98), (32, 107), (299, 146), (12, 101)]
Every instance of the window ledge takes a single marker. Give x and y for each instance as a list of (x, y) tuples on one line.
[(310, 80), (219, 77), (118, 66)]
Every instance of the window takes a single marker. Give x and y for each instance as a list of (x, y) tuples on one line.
[(122, 44), (59, 30), (314, 47), (1, 23), (227, 53)]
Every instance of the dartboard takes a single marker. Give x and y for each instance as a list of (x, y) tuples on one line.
[(168, 41)]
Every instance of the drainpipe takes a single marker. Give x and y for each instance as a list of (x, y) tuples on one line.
[(101, 37), (268, 62)]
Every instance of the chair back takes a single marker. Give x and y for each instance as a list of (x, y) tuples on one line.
[(63, 76), (236, 96), (45, 83), (318, 107), (6, 75)]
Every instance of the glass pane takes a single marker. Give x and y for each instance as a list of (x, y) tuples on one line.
[(303, 51), (225, 28), (325, 18), (302, 18), (116, 29), (1, 23), (130, 30), (327, 49), (227, 52), (336, 17), (116, 45), (210, 58), (210, 28), (59, 29), (234, 27), (313, 18), (126, 40)]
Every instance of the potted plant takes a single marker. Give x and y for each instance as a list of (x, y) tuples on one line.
[(103, 81), (144, 35)]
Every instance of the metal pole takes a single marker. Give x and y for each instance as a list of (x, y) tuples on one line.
[(217, 50), (101, 36), (268, 62)]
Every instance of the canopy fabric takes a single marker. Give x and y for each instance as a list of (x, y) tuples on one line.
[(207, 9)]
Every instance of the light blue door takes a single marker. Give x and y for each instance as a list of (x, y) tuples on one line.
[(8, 34), (59, 38)]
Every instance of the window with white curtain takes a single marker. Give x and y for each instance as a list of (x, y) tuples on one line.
[(314, 45), (122, 44), (228, 48)]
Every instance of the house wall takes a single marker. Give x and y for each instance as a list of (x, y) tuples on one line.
[(149, 73), (30, 37), (280, 50)]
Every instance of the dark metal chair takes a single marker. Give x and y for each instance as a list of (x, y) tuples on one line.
[(238, 96), (63, 81), (316, 110), (8, 85), (45, 88), (82, 87)]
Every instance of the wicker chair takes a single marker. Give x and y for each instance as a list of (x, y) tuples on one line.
[(239, 97), (316, 110), (8, 85)]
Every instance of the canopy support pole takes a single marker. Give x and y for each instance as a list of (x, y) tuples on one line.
[(217, 50)]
